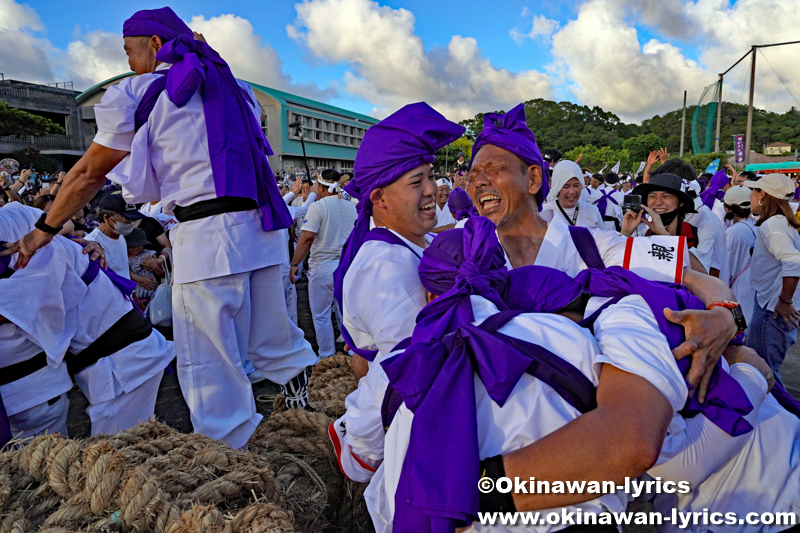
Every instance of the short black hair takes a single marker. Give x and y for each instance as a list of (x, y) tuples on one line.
[(611, 178), (678, 167), (749, 175), (330, 174), (552, 155), (598, 177)]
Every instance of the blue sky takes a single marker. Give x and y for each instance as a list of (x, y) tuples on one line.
[(631, 57)]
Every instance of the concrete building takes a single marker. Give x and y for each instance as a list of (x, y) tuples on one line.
[(777, 148), (332, 135), (55, 103)]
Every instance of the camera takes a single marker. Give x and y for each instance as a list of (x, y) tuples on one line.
[(632, 202)]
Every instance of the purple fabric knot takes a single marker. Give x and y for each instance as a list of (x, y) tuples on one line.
[(162, 22), (510, 131), (715, 186), (460, 203)]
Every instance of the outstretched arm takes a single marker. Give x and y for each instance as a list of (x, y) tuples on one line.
[(80, 185)]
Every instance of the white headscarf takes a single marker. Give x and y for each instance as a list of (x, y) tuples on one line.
[(443, 181), (564, 171)]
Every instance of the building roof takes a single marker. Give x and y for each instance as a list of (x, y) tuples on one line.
[(288, 98), (777, 144), (88, 92)]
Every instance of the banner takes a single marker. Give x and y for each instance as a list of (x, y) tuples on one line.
[(641, 167), (615, 168), (712, 167), (738, 149), (602, 169)]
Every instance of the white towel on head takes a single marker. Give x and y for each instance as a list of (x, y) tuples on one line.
[(564, 171)]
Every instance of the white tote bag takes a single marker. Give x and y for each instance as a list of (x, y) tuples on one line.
[(161, 304)]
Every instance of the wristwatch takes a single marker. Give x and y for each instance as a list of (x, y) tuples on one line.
[(736, 311), (41, 225)]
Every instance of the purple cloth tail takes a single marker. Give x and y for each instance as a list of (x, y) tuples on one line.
[(786, 400), (718, 181), (237, 146)]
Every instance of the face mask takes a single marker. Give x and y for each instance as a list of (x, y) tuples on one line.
[(667, 218), (123, 229)]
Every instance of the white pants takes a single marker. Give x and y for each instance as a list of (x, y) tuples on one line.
[(41, 419), (290, 295), (320, 299), (126, 409), (217, 320)]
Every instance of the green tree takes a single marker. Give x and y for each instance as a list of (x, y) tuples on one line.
[(20, 123), (639, 147), (446, 156), (701, 161)]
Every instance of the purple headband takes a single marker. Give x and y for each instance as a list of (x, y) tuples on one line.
[(459, 203), (510, 132), (162, 22)]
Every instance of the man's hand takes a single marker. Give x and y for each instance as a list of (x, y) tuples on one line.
[(790, 315), (25, 175), (199, 37), (94, 250), (654, 224), (743, 354), (27, 246), (652, 157), (663, 155), (293, 274), (707, 335), (630, 221), (359, 365), (296, 186)]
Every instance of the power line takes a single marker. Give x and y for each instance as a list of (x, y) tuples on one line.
[(778, 75)]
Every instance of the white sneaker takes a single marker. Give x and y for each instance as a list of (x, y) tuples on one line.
[(255, 377)]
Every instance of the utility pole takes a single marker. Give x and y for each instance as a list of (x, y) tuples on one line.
[(750, 107), (683, 123), (719, 115)]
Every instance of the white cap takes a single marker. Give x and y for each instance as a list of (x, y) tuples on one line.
[(564, 171), (779, 186), (737, 195)]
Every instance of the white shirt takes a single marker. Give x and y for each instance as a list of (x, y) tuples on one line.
[(444, 216), (776, 256), (155, 210), (712, 248), (534, 409), (588, 215), (332, 219), (166, 163), (116, 251), (382, 294)]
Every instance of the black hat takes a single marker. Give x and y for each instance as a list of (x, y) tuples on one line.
[(137, 237), (115, 202), (668, 183)]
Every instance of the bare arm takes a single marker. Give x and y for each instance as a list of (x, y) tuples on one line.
[(80, 185), (622, 437), (300, 252), (163, 240)]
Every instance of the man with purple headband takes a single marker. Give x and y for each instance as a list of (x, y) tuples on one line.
[(186, 132), (377, 285)]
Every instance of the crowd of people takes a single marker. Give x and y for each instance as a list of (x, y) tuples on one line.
[(515, 316)]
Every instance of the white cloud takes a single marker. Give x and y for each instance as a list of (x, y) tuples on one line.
[(98, 55), (606, 65), (541, 28), (390, 66), (23, 55)]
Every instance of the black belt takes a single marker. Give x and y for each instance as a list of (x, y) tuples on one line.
[(215, 206), (131, 328), (17, 371)]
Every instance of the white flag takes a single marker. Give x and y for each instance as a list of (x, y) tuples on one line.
[(615, 168), (641, 167), (602, 169)]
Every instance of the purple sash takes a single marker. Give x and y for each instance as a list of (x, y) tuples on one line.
[(435, 380), (587, 247), (602, 203), (376, 234), (237, 146)]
